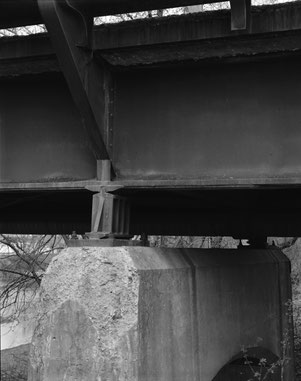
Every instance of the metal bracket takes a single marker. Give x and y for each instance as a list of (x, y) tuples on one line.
[(71, 29), (110, 216), (240, 14), (104, 169)]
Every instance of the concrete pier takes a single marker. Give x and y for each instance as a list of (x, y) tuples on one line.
[(149, 314)]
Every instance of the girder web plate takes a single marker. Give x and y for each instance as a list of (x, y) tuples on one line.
[(215, 121), (42, 138)]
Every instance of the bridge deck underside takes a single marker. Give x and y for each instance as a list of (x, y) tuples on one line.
[(230, 212), (199, 146)]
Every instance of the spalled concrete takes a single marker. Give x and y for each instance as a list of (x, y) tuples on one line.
[(149, 314), (88, 317)]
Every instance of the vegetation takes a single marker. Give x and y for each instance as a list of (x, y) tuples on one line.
[(23, 262)]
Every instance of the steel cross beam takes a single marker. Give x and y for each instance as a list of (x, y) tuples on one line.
[(70, 30)]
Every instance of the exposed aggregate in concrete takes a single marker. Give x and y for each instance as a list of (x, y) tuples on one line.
[(97, 285)]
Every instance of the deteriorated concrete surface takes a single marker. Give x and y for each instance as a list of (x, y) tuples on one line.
[(89, 298), (149, 314)]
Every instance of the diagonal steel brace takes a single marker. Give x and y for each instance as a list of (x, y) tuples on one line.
[(70, 29)]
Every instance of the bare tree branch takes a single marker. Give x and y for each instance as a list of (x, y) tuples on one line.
[(24, 264), (17, 273)]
